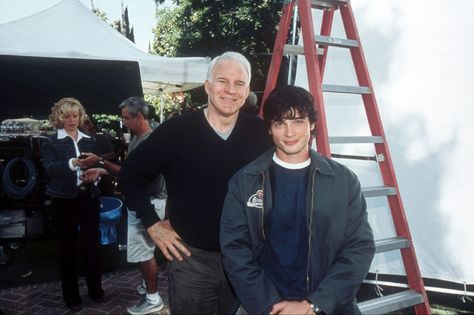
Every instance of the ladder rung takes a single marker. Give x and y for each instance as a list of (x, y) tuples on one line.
[(390, 244), (336, 42), (341, 140), (354, 157), (391, 303), (298, 50), (378, 191), (326, 4), (346, 89)]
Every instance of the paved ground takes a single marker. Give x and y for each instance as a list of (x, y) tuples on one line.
[(46, 298), (30, 284)]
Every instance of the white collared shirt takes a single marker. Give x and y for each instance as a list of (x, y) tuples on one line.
[(63, 134)]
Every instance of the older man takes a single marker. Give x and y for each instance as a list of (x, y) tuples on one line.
[(197, 153)]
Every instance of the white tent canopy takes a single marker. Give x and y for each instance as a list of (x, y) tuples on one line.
[(70, 30)]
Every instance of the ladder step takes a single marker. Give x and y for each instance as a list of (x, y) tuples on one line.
[(391, 303), (368, 139), (298, 50), (378, 191), (345, 89), (336, 42), (325, 41), (354, 157), (327, 4), (390, 244)]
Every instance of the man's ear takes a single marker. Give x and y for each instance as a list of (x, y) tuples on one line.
[(207, 86)]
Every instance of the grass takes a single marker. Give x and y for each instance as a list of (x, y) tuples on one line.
[(444, 310)]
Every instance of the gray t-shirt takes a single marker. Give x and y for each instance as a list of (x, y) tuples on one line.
[(137, 140)]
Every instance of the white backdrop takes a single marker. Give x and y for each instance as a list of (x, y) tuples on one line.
[(420, 56)]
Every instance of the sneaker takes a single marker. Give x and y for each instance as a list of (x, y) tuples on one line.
[(141, 289), (146, 307)]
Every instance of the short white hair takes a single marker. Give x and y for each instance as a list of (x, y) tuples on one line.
[(232, 55)]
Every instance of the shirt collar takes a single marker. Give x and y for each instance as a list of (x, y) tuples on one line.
[(291, 166), (63, 134)]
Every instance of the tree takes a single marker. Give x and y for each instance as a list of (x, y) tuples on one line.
[(123, 25), (158, 2), (126, 30), (167, 35), (210, 27), (99, 13)]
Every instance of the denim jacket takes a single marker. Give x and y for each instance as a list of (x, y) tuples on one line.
[(56, 154), (341, 244)]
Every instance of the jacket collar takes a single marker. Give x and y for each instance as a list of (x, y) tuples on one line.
[(63, 134), (264, 161)]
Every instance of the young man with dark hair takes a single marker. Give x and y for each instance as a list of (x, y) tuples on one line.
[(295, 238)]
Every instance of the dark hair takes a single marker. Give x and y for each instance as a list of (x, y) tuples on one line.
[(284, 101), (136, 105)]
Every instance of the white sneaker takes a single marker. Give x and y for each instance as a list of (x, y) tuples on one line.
[(146, 307), (141, 289)]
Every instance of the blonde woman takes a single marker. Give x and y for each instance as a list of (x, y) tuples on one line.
[(74, 201)]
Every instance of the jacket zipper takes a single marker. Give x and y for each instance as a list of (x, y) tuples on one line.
[(263, 206), (313, 178)]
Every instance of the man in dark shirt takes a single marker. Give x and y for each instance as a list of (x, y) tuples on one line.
[(106, 152), (294, 232), (197, 153)]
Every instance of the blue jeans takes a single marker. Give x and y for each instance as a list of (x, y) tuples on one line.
[(198, 285)]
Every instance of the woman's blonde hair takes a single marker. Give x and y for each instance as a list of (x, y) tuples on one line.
[(63, 106)]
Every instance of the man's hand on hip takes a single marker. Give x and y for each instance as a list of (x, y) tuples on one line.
[(169, 242), (291, 307)]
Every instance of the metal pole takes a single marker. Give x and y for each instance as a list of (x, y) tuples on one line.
[(293, 42), (162, 118)]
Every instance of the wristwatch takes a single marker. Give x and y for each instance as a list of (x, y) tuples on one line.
[(316, 310), (101, 163)]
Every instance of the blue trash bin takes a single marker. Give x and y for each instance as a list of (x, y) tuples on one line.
[(110, 212)]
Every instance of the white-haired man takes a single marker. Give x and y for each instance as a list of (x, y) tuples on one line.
[(197, 153)]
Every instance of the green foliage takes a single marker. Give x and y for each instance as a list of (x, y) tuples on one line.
[(105, 123), (165, 104), (122, 26), (167, 35), (445, 310), (100, 14), (168, 105), (209, 28)]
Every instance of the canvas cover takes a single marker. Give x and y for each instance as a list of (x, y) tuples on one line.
[(70, 30)]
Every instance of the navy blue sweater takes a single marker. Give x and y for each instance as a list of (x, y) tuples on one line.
[(197, 165), (285, 255)]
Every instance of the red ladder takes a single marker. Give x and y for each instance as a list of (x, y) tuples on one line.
[(315, 51)]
